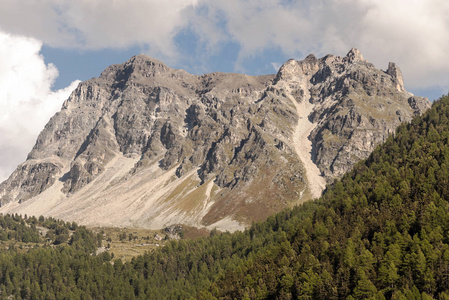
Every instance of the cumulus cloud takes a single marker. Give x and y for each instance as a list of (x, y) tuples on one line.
[(413, 33), (98, 24), (26, 99)]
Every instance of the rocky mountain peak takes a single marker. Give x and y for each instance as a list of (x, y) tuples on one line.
[(288, 71), (145, 70), (147, 145), (140, 64), (354, 55), (396, 75), (295, 71)]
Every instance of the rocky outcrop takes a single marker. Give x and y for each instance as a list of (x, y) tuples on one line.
[(29, 179), (147, 145)]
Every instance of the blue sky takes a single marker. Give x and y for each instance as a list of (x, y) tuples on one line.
[(47, 45)]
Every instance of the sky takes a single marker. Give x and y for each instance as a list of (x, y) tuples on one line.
[(48, 46)]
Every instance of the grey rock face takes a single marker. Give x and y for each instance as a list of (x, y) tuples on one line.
[(357, 106), (30, 179), (230, 130)]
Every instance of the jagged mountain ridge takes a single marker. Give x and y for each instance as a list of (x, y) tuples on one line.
[(146, 145)]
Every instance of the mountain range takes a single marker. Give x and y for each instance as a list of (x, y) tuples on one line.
[(148, 146)]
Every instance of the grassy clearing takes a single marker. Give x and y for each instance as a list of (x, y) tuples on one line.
[(125, 243)]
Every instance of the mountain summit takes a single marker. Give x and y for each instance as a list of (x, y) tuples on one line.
[(146, 145)]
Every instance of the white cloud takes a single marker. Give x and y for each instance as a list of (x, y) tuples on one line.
[(98, 24), (26, 99), (413, 33)]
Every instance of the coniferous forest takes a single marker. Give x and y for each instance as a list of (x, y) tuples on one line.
[(381, 232)]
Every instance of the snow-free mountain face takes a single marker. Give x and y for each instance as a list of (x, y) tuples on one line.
[(146, 145)]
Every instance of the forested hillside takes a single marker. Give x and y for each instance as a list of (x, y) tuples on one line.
[(40, 258), (381, 232)]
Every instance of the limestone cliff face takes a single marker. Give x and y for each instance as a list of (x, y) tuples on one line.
[(147, 145)]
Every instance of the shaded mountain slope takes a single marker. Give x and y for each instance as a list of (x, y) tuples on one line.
[(146, 145)]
